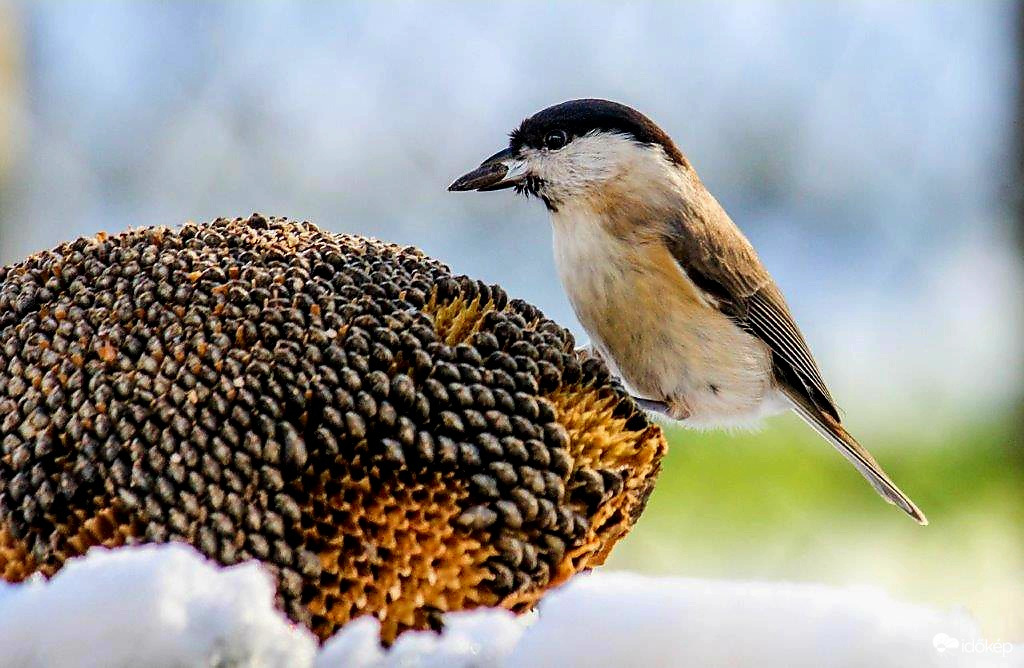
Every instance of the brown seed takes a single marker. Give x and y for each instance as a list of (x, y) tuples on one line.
[(477, 518)]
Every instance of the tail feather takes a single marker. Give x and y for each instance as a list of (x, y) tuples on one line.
[(833, 432)]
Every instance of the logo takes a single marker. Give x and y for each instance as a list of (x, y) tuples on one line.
[(943, 642)]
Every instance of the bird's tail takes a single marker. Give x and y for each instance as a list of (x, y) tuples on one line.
[(833, 432)]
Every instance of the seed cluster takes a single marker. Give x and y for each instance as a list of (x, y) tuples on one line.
[(385, 437)]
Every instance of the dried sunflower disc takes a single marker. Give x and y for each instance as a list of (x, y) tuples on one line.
[(385, 437)]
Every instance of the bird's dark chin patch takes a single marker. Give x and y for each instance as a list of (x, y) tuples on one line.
[(529, 185), (533, 186)]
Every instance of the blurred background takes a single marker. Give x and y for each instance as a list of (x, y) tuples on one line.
[(871, 151)]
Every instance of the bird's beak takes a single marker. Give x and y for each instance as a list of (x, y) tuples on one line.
[(501, 170)]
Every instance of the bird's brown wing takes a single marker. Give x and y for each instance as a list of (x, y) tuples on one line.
[(722, 263)]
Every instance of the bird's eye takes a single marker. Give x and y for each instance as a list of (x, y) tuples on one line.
[(555, 140)]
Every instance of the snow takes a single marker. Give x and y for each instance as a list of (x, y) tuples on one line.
[(476, 639), (621, 619), (167, 606), (148, 606)]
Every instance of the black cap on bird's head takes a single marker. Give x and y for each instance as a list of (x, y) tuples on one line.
[(575, 118), (529, 164)]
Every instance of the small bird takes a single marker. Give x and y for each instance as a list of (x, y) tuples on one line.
[(672, 294)]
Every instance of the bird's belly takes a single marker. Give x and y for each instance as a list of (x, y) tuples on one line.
[(661, 335)]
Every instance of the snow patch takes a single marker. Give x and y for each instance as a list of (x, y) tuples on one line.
[(622, 619), (167, 606), (474, 639), (148, 606)]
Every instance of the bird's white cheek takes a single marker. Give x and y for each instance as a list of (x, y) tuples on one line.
[(568, 175), (543, 166)]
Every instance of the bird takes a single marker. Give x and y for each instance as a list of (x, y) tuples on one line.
[(675, 299)]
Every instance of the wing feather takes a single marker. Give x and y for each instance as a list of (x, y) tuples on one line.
[(720, 261), (769, 318)]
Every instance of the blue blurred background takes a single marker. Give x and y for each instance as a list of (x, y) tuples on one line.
[(869, 150)]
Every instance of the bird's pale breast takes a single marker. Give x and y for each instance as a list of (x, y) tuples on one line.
[(657, 329)]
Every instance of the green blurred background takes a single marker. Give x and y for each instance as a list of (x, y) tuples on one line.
[(780, 504), (870, 150)]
